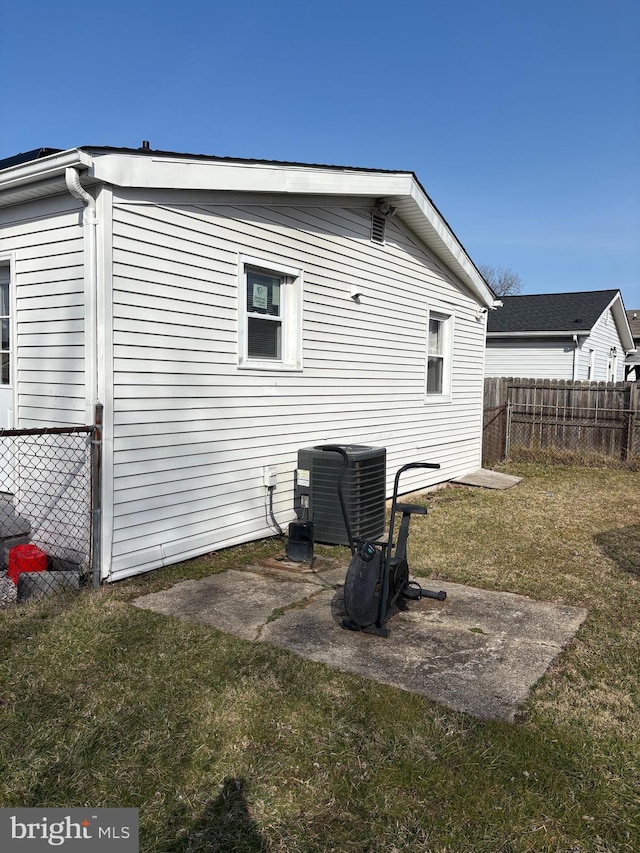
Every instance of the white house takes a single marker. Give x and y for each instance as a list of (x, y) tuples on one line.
[(573, 336), (227, 313), (632, 363)]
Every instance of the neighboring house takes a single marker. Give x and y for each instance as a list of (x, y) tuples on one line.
[(227, 313), (632, 362), (574, 336)]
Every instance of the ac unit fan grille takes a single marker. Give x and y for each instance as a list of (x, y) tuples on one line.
[(364, 490)]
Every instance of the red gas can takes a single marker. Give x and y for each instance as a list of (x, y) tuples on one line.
[(25, 558)]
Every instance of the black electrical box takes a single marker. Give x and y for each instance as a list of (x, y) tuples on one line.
[(300, 542)]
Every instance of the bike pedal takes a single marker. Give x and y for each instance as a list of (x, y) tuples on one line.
[(413, 593)]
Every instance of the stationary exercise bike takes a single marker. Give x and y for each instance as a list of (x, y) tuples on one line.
[(377, 584)]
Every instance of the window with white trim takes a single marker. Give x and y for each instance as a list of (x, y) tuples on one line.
[(5, 328), (592, 365), (439, 334), (269, 316)]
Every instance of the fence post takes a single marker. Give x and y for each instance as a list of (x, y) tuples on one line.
[(633, 402), (96, 493), (493, 427), (507, 437)]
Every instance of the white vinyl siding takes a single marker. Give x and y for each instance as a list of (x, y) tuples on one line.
[(603, 339), (537, 358), (45, 242), (531, 358), (192, 431)]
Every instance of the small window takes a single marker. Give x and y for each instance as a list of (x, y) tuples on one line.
[(591, 366), (269, 322), (438, 354)]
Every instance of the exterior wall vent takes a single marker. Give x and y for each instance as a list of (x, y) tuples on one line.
[(378, 227), (364, 488)]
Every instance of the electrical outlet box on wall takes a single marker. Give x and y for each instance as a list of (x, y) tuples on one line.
[(270, 474)]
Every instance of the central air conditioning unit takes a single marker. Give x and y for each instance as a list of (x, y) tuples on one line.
[(364, 488)]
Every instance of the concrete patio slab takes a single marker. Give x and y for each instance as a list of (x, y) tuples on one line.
[(240, 603), (479, 651), (487, 479)]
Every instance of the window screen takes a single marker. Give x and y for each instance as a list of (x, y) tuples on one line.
[(264, 316)]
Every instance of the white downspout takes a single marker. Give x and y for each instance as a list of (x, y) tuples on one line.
[(93, 411), (89, 221), (576, 353)]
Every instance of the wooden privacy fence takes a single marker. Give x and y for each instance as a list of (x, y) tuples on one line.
[(569, 420)]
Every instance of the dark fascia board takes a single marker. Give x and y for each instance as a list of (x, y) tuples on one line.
[(152, 152)]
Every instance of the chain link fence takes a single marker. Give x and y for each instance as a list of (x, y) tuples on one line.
[(48, 497), (572, 435), (554, 420)]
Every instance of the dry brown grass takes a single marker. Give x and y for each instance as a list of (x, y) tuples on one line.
[(566, 535), (225, 745)]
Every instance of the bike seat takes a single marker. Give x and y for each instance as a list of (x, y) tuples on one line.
[(411, 509), (381, 542)]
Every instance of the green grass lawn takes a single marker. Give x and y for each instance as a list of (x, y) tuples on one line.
[(224, 745)]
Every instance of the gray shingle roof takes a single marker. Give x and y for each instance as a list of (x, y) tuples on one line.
[(550, 312)]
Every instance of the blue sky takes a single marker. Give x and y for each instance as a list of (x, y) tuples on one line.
[(521, 119)]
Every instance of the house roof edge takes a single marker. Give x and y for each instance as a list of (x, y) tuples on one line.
[(144, 168)]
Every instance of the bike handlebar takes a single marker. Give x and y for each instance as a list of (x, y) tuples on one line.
[(406, 467), (335, 448)]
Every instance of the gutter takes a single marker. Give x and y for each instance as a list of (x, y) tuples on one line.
[(53, 166), (526, 334)]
